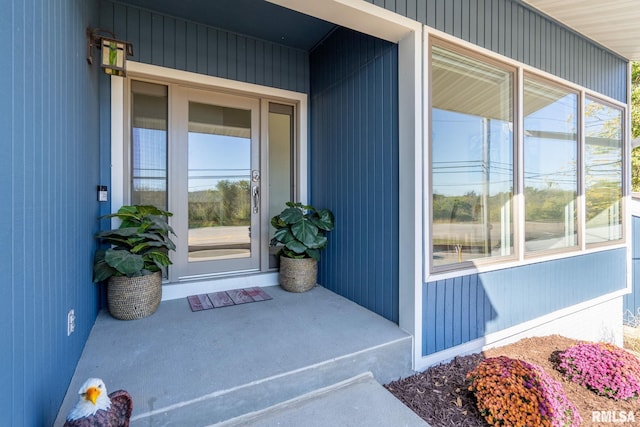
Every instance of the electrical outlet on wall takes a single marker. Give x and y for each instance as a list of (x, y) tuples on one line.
[(71, 321)]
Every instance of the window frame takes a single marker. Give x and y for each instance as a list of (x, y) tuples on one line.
[(579, 167), (510, 68), (520, 256), (626, 168)]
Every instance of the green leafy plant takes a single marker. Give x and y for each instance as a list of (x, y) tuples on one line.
[(140, 246), (300, 230)]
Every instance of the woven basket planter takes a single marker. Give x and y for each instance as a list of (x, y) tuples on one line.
[(130, 298), (298, 275)]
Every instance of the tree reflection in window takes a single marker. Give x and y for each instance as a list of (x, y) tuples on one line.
[(550, 166), (603, 171), (472, 159)]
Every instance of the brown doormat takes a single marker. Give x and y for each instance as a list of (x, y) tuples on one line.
[(227, 298)]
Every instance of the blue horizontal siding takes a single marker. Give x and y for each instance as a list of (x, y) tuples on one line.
[(461, 309), (48, 174), (515, 30), (354, 166), (185, 45), (632, 300)]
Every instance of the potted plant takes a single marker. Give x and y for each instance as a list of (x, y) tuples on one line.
[(134, 263), (300, 231)]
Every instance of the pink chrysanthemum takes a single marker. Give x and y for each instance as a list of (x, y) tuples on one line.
[(604, 368)]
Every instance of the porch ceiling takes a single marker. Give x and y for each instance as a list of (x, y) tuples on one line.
[(614, 24), (256, 18)]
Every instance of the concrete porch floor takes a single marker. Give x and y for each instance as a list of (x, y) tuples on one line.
[(186, 368)]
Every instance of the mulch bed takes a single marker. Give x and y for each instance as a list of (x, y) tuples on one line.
[(440, 394)]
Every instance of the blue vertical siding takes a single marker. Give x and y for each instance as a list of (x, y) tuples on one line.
[(354, 166), (632, 300), (48, 174), (184, 45), (517, 31), (461, 309)]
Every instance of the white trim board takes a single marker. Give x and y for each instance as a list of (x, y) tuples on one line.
[(357, 15)]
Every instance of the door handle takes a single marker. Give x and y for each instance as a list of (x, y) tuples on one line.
[(255, 196)]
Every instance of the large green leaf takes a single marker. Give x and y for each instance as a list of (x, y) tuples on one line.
[(160, 259), (101, 270), (283, 235), (319, 242), (324, 220), (158, 224), (291, 215), (291, 254), (305, 231), (296, 246), (122, 233), (150, 240), (124, 261), (277, 223), (313, 253)]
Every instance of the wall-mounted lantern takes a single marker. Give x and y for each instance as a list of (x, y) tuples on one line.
[(113, 52)]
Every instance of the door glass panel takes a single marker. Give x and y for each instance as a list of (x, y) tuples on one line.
[(149, 144), (280, 164), (219, 181)]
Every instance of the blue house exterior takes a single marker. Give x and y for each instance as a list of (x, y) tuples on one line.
[(631, 305), (365, 86)]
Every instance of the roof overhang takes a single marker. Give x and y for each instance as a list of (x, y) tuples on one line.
[(615, 24)]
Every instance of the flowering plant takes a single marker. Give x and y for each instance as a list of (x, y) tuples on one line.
[(516, 393), (604, 368)]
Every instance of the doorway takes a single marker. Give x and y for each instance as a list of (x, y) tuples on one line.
[(222, 163)]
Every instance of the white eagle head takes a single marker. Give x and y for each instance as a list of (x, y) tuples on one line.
[(93, 397)]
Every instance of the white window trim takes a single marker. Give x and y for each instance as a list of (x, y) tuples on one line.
[(522, 258)]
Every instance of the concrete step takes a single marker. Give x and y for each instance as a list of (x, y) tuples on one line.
[(381, 363), (357, 401)]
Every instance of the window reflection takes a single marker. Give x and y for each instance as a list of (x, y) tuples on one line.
[(149, 144), (219, 177), (603, 171), (472, 159), (550, 166)]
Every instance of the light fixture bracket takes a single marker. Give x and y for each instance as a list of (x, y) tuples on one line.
[(113, 52)]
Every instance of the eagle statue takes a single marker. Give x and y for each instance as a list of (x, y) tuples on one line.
[(97, 409)]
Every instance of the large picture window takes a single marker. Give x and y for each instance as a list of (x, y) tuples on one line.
[(472, 158), (521, 166)]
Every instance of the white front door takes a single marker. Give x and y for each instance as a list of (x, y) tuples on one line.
[(216, 182)]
